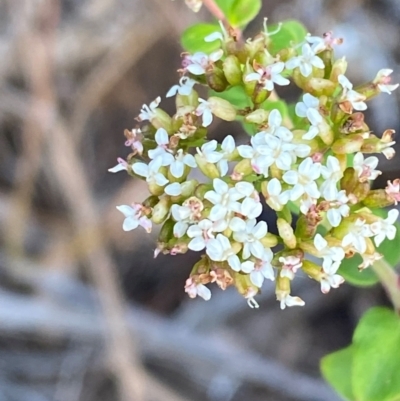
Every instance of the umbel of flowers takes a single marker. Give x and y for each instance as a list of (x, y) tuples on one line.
[(319, 165)]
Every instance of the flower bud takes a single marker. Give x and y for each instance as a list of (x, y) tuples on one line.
[(243, 168), (151, 201), (258, 116), (187, 190), (161, 119), (349, 180), (249, 86), (161, 210), (269, 241), (208, 169), (312, 270), (349, 144), (216, 79), (201, 190), (222, 108), (155, 189), (304, 228), (339, 68), (190, 100), (377, 198), (319, 86), (361, 190), (286, 233), (167, 231), (232, 70), (260, 94)]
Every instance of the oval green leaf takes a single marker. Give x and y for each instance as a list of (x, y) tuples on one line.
[(291, 32), (376, 356), (243, 11), (337, 371), (192, 39)]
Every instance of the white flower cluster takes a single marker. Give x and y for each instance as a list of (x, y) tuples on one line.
[(314, 166)]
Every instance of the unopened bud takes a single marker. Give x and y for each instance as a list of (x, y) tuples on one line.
[(222, 108), (312, 270), (286, 233), (349, 144), (249, 86), (161, 119), (319, 86), (349, 180), (161, 210), (258, 116), (377, 198), (166, 231), (304, 228), (243, 167), (339, 68), (361, 190), (216, 79), (232, 70), (269, 241), (151, 201), (190, 100), (210, 170)]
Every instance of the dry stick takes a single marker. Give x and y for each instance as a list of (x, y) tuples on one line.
[(125, 53), (36, 55)]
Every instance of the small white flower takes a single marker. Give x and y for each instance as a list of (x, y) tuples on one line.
[(290, 265), (250, 208), (263, 269), (224, 199), (306, 61), (276, 199), (332, 174), (177, 166), (148, 112), (356, 236), (330, 280), (354, 98), (151, 172), (236, 264), (204, 231), (365, 169), (309, 102), (303, 179), (382, 80), (338, 208), (184, 88), (332, 256), (220, 249), (326, 42), (249, 233), (208, 152), (161, 151), (268, 76), (182, 215), (198, 63), (122, 165), (227, 148), (204, 110), (385, 228), (275, 126), (286, 300), (369, 260), (134, 217), (193, 289)]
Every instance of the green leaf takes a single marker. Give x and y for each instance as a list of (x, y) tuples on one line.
[(291, 32), (235, 95), (376, 356), (239, 12), (243, 11), (192, 39), (349, 270), (277, 104), (366, 278), (337, 371)]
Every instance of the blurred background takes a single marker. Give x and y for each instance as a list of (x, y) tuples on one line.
[(86, 313)]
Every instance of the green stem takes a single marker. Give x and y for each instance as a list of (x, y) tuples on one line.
[(390, 281)]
